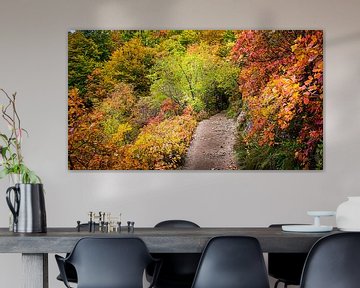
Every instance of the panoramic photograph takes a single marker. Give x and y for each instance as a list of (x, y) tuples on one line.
[(195, 100)]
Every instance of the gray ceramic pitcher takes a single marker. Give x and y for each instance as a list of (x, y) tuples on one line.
[(27, 207)]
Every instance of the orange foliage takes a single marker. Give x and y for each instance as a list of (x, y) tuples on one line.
[(75, 107), (282, 87), (162, 144), (168, 109), (88, 145)]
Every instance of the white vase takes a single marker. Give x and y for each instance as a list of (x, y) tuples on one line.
[(348, 214), (14, 179)]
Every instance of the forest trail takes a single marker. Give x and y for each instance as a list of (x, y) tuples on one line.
[(212, 146)]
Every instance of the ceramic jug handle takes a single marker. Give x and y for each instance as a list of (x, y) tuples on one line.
[(13, 208)]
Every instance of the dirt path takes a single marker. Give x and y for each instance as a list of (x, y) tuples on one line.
[(212, 145)]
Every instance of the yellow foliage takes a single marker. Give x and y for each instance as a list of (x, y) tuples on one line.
[(159, 146), (120, 136)]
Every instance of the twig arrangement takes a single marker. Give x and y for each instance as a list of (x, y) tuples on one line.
[(12, 160)]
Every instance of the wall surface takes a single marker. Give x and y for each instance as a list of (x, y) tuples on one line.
[(33, 62)]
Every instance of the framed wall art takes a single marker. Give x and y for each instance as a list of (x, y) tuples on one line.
[(195, 100)]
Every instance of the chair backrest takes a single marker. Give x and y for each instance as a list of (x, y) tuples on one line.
[(333, 262), (232, 262), (110, 262), (178, 269), (176, 224), (286, 267)]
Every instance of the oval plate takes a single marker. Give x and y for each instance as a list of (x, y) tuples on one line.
[(306, 228)]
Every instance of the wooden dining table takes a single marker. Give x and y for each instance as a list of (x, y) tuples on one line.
[(35, 247)]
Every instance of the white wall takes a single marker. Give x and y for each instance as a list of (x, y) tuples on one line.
[(33, 62)]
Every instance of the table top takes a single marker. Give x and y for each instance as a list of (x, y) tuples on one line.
[(158, 240)]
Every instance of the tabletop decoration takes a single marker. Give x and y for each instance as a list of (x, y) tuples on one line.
[(25, 197), (315, 227), (348, 214)]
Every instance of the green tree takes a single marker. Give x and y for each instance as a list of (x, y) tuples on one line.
[(103, 41), (189, 37), (83, 57), (131, 64), (197, 78)]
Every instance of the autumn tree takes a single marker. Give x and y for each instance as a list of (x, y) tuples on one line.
[(130, 64), (85, 137), (93, 134), (221, 40), (117, 110), (281, 86)]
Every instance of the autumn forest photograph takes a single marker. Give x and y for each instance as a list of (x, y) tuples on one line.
[(195, 100)]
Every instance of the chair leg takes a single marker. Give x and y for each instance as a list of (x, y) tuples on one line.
[(278, 282)]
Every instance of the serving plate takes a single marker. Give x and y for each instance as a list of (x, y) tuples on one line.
[(306, 228)]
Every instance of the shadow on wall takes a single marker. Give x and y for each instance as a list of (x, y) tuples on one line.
[(135, 15), (344, 39)]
